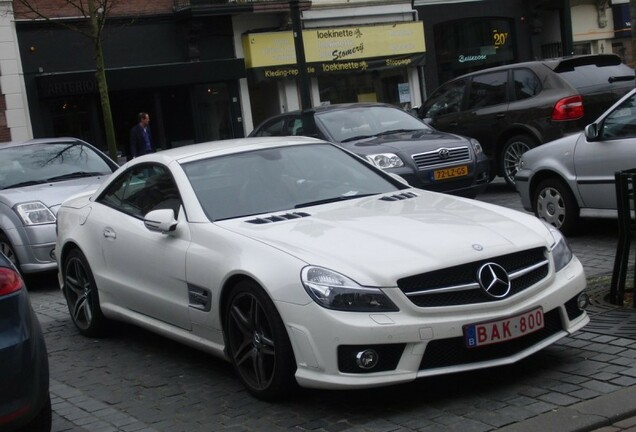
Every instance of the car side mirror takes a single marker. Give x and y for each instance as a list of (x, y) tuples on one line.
[(592, 132), (162, 221)]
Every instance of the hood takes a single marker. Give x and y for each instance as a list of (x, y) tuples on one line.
[(406, 142), (51, 194), (376, 242)]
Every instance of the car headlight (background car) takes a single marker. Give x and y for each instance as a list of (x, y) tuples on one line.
[(476, 146), (34, 213), (385, 160), (335, 291), (560, 249)]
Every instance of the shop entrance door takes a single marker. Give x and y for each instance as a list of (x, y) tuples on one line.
[(212, 107)]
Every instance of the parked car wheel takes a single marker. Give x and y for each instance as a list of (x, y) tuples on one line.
[(511, 156), (555, 203), (43, 421), (81, 295), (7, 249), (258, 344)]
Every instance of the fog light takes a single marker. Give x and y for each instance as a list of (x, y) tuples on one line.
[(367, 359), (583, 301)]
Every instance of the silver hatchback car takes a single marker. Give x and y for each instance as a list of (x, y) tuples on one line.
[(35, 177), (573, 177)]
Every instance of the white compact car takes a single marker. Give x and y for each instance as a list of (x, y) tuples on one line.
[(301, 263)]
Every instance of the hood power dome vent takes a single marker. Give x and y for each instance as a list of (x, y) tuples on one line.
[(399, 197), (278, 218)]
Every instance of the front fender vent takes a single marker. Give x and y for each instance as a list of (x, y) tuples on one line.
[(278, 218), (399, 197)]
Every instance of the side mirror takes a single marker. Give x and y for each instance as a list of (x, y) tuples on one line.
[(592, 132), (162, 221)]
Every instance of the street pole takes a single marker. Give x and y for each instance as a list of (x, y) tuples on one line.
[(303, 79), (632, 13)]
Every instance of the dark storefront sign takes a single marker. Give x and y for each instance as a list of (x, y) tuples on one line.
[(622, 20), (329, 51), (79, 83)]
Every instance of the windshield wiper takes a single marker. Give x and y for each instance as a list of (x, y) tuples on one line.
[(621, 78), (355, 138), (77, 174), (394, 131), (25, 183), (334, 199)]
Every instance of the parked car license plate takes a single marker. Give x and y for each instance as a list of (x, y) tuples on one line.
[(446, 173), (491, 332)]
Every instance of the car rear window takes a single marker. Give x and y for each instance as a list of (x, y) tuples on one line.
[(592, 76)]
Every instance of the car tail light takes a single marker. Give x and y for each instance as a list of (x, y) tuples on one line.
[(569, 108), (10, 281)]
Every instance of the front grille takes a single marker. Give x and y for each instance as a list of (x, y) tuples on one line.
[(458, 285), (453, 351), (441, 157)]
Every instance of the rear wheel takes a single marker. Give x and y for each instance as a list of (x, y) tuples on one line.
[(81, 295), (555, 203), (258, 344), (511, 156)]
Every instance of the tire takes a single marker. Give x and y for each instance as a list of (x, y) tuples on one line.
[(7, 248), (257, 343), (554, 202), (81, 295), (43, 421), (511, 156)]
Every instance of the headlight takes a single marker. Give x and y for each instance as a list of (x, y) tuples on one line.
[(34, 213), (476, 146), (560, 249), (332, 290), (385, 160)]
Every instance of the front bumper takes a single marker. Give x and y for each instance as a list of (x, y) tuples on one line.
[(522, 184), (35, 247), (419, 342)]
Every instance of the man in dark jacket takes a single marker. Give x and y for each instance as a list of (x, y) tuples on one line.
[(140, 137)]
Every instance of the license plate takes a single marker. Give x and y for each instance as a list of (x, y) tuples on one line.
[(446, 173), (503, 330)]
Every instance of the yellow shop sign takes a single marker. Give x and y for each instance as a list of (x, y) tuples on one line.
[(334, 44)]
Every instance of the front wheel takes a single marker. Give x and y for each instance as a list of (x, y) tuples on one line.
[(511, 156), (258, 344), (8, 251), (555, 203), (81, 295)]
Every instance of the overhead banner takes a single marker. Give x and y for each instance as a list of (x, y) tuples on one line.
[(331, 50)]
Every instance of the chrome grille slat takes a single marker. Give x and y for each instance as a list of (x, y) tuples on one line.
[(458, 285), (433, 158)]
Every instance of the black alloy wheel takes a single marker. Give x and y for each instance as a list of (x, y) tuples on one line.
[(258, 344), (81, 295), (7, 249)]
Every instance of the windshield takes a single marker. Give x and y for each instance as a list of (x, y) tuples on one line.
[(368, 121), (48, 162), (282, 178)]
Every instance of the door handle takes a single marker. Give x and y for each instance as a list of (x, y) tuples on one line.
[(109, 233), (500, 115)]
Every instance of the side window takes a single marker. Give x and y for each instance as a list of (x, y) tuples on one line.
[(621, 123), (487, 90), (526, 84), (141, 190), (447, 99), (296, 126), (274, 128)]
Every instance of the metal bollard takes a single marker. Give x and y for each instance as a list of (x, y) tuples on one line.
[(625, 199)]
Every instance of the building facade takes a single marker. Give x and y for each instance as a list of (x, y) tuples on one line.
[(214, 69)]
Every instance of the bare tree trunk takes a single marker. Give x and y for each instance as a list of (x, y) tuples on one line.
[(102, 84)]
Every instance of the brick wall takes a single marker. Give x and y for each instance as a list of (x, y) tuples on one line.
[(64, 8)]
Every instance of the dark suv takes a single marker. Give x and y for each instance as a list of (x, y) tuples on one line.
[(511, 109)]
